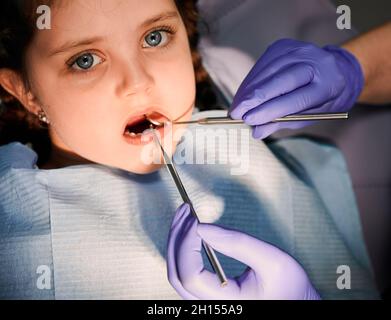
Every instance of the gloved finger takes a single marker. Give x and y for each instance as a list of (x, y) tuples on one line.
[(191, 271), (256, 254), (272, 58), (295, 102), (251, 285), (265, 130), (300, 52), (282, 47), (262, 71), (190, 264), (183, 210), (189, 249), (181, 215), (284, 81), (325, 107)]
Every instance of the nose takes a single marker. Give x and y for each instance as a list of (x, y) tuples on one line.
[(135, 78)]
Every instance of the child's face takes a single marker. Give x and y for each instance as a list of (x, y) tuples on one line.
[(120, 70)]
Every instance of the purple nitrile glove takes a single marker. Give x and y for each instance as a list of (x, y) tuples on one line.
[(271, 273), (295, 77)]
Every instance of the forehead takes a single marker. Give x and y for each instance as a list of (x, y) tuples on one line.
[(92, 18), (88, 10)]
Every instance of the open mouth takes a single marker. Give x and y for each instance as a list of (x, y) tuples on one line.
[(138, 126)]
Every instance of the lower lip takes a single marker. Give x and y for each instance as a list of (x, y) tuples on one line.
[(143, 139)]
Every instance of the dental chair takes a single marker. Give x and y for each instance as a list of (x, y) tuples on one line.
[(238, 33)]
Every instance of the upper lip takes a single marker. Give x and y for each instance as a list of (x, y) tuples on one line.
[(138, 116)]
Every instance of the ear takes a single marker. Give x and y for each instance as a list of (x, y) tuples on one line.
[(13, 83)]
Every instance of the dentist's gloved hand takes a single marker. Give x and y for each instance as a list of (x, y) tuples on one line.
[(272, 274), (294, 77)]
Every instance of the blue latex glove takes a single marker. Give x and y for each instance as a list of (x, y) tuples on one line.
[(294, 77), (272, 274)]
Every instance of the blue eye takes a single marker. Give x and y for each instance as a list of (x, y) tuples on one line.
[(86, 61), (155, 38)]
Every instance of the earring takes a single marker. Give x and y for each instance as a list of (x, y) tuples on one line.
[(42, 117)]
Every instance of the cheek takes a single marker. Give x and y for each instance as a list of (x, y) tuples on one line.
[(177, 85), (82, 119), (86, 115), (70, 105)]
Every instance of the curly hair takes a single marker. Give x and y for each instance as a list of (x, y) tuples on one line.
[(17, 25)]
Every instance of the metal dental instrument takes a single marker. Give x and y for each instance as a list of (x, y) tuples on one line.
[(175, 176), (228, 120)]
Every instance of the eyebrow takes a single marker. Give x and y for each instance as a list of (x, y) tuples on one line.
[(84, 42), (160, 17)]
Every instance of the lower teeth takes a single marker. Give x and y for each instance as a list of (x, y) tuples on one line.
[(132, 134)]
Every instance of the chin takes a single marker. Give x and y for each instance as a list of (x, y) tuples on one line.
[(147, 169), (135, 164), (141, 169)]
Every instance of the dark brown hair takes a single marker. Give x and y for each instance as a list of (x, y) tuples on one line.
[(17, 25)]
